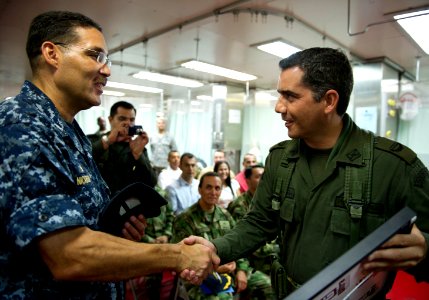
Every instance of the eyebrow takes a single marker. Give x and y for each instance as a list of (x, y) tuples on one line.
[(98, 49), (287, 93)]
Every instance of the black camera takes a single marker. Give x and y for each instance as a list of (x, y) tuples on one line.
[(135, 130)]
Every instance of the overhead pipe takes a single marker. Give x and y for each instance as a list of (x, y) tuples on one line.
[(230, 8), (179, 26), (380, 22)]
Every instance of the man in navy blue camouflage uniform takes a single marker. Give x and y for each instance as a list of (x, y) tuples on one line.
[(51, 193)]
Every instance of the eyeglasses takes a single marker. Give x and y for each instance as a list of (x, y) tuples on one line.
[(99, 56)]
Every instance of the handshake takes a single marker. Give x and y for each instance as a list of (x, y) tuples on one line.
[(198, 259)]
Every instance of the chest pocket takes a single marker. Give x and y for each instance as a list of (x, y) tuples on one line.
[(373, 217)]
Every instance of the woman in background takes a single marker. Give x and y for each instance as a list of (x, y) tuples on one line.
[(230, 187)]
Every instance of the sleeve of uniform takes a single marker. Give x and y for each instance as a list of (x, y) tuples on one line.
[(39, 192), (259, 225), (409, 186), (418, 200)]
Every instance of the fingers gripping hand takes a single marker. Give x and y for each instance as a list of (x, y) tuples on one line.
[(191, 240), (197, 262), (400, 252), (240, 281), (227, 268), (134, 229)]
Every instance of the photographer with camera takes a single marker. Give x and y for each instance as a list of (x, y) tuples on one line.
[(120, 154)]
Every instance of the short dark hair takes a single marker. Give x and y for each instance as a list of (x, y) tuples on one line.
[(55, 26), (171, 152), (208, 174), (219, 150), (249, 170), (324, 69), (124, 104), (187, 155)]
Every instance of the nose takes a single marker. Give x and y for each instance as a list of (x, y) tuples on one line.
[(280, 106), (105, 70)]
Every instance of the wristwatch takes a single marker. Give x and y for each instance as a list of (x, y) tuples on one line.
[(105, 139)]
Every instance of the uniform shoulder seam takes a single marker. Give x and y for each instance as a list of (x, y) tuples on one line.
[(281, 145), (395, 148)]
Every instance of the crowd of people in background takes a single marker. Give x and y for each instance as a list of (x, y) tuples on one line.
[(201, 201), (315, 191)]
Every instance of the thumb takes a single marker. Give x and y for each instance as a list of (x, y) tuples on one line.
[(190, 240)]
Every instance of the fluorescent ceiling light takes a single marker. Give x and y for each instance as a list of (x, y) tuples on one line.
[(265, 96), (278, 48), (416, 25), (146, 105), (216, 70), (157, 77), (133, 87), (113, 93), (204, 97)]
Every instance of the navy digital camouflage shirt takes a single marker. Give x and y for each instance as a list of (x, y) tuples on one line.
[(48, 181)]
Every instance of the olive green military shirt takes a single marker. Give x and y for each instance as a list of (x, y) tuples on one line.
[(261, 258), (319, 228)]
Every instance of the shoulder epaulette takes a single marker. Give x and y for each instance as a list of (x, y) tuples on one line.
[(281, 145), (395, 148)]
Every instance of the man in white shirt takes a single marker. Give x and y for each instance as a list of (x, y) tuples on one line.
[(183, 192), (172, 172)]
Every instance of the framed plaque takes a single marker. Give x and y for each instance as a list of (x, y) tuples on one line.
[(344, 279)]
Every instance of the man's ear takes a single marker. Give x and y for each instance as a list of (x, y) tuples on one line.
[(331, 98), (50, 53)]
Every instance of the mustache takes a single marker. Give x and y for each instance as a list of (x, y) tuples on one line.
[(102, 80)]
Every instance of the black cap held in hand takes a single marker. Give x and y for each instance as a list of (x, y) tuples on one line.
[(135, 199)]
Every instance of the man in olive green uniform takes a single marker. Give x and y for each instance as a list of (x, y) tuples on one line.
[(208, 220), (303, 191)]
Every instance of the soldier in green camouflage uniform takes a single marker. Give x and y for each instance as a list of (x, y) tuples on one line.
[(260, 260), (210, 221)]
